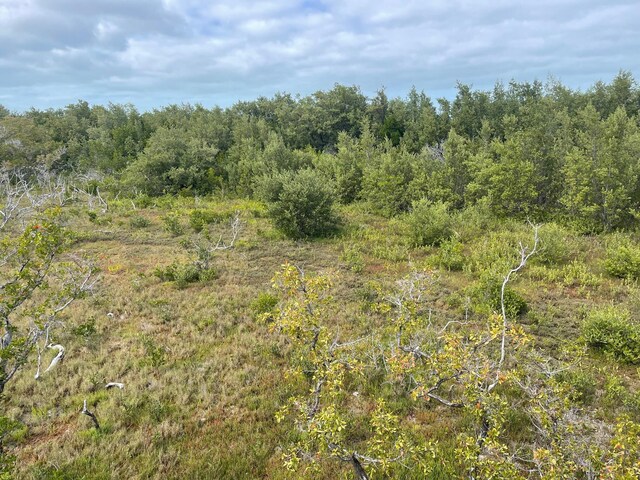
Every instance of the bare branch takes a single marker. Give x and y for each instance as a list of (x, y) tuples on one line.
[(525, 254), (90, 414)]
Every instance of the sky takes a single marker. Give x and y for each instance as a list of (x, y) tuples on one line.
[(157, 52)]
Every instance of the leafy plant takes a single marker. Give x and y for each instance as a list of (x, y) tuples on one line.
[(155, 354), (173, 224), (488, 291), (623, 258), (138, 221), (183, 274), (300, 203), (429, 223), (264, 305), (353, 258), (199, 218), (451, 254), (613, 331)]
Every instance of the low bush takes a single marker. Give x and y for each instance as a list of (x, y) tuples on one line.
[(353, 258), (623, 258), (451, 255), (612, 331), (139, 221), (475, 221), (264, 305), (429, 223), (172, 224), (300, 204), (555, 245), (184, 273), (582, 385), (198, 218), (488, 292)]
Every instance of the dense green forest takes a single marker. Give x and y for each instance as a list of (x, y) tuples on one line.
[(328, 286), (526, 149)]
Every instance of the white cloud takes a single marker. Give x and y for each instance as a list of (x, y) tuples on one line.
[(153, 51)]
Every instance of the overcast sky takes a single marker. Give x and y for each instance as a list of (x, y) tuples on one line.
[(156, 52)]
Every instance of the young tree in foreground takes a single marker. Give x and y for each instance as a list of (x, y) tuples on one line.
[(38, 281), (480, 373), (324, 417)]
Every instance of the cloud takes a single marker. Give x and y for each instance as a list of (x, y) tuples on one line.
[(151, 52)]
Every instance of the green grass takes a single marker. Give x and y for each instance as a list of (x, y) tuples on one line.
[(203, 378)]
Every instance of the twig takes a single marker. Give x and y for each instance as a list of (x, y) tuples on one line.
[(90, 414)]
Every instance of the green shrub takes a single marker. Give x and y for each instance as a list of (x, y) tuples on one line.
[(352, 257), (429, 223), (612, 331), (142, 201), (582, 385), (300, 204), (198, 219), (264, 305), (155, 355), (578, 274), (623, 258), (85, 330), (172, 224), (139, 221), (555, 245), (488, 291), (451, 255), (474, 221), (496, 251), (184, 273)]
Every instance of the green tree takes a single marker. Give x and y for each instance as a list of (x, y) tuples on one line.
[(37, 283), (386, 179), (601, 171), (504, 175), (172, 162), (117, 138), (300, 203), (346, 167)]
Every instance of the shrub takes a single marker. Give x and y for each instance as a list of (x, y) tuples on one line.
[(352, 257), (451, 255), (85, 330), (139, 222), (198, 219), (495, 251), (582, 385), (172, 224), (429, 223), (184, 273), (555, 245), (488, 291), (578, 274), (155, 355), (623, 258), (385, 181), (614, 332), (300, 204), (264, 305), (475, 221)]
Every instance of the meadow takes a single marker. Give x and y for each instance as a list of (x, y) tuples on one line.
[(204, 376)]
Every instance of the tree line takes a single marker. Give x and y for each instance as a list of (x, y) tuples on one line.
[(529, 150)]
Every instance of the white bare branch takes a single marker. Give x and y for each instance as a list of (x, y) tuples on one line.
[(58, 358)]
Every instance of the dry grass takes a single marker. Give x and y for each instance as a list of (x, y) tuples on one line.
[(202, 378)]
